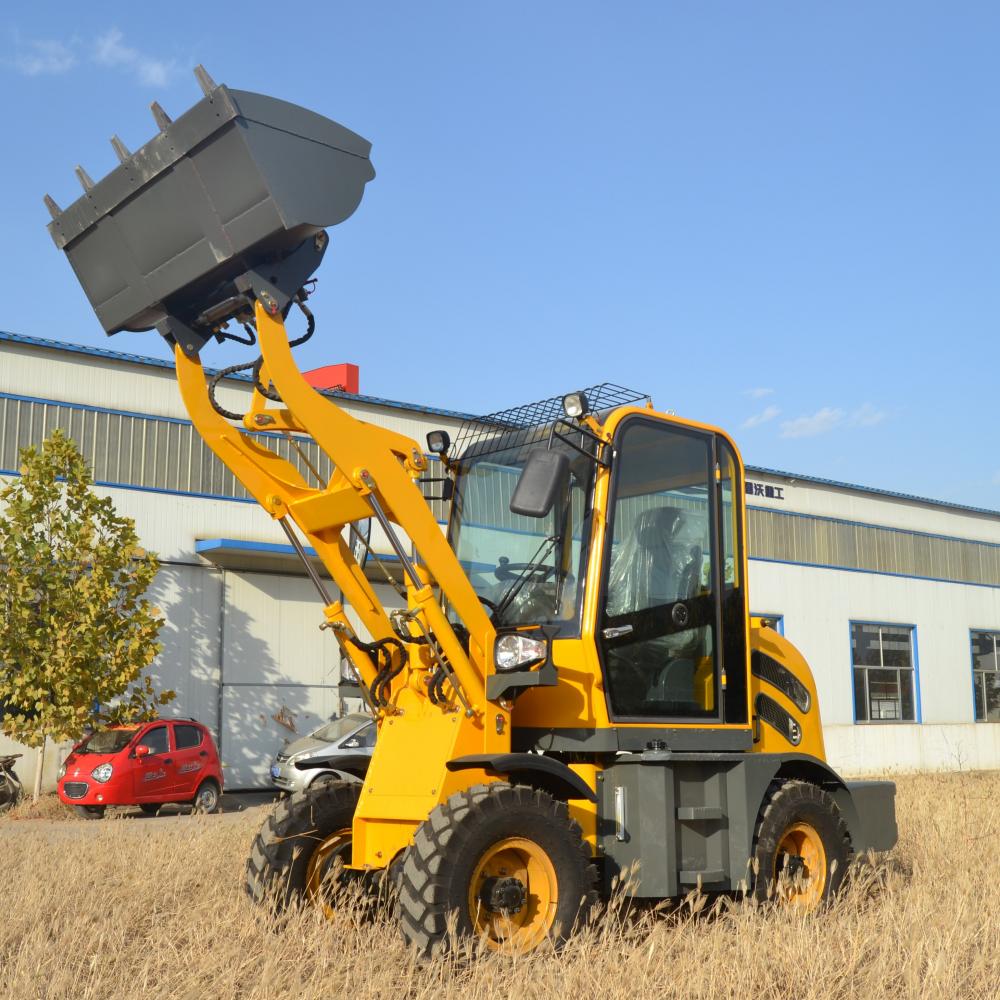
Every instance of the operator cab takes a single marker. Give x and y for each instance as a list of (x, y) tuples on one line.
[(671, 628)]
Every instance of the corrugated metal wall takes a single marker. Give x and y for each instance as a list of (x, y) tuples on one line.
[(167, 454)]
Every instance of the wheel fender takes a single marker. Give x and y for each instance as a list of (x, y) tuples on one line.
[(544, 773), (352, 767), (868, 807)]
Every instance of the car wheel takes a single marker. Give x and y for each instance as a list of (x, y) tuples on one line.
[(150, 808), (206, 799), (90, 812), (324, 779)]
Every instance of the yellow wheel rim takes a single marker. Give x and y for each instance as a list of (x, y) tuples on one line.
[(800, 866), (330, 856), (525, 928)]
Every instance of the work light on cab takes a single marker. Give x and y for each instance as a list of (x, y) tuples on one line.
[(438, 442), (575, 405), (513, 651)]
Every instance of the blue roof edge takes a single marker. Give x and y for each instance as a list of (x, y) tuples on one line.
[(138, 359)]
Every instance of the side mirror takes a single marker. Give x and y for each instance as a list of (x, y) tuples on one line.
[(544, 476), (351, 743), (142, 750)]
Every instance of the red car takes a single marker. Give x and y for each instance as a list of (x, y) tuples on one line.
[(145, 764)]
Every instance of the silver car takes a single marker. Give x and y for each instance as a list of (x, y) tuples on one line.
[(340, 750)]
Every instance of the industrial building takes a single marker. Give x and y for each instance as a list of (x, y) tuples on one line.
[(894, 600)]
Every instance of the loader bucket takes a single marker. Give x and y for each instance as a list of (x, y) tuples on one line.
[(234, 185)]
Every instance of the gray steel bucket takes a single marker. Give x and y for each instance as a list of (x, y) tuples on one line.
[(233, 185)]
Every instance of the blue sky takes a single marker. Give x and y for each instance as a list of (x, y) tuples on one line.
[(780, 217)]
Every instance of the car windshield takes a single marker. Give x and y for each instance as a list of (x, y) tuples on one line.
[(528, 570), (336, 729), (108, 741)]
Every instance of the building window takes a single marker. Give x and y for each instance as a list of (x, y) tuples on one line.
[(777, 622), (986, 675), (884, 672)]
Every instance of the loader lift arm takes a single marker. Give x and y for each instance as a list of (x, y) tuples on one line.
[(374, 475)]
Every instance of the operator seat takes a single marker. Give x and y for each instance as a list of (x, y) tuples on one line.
[(649, 569)]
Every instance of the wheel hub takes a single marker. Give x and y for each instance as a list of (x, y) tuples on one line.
[(503, 895)]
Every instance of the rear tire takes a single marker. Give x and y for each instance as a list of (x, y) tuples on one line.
[(802, 847), (507, 860), (301, 845), (90, 812), (206, 799)]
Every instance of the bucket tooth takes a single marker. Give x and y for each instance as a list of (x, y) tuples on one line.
[(160, 116), (54, 210), (84, 178), (120, 148), (206, 83)]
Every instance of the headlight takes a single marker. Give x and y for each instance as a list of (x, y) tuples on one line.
[(515, 650), (102, 772), (61, 773)]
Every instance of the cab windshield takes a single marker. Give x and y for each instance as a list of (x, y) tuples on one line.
[(526, 570), (107, 741)]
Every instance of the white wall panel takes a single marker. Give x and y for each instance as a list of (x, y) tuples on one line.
[(190, 600), (819, 604), (260, 719)]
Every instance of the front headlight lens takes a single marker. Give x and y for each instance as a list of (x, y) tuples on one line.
[(61, 773), (102, 772), (515, 650)]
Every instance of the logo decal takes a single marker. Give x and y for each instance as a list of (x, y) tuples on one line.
[(194, 765), (154, 775)]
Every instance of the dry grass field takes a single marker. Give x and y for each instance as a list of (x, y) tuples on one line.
[(129, 908)]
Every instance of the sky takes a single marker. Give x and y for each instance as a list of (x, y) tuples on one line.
[(781, 218)]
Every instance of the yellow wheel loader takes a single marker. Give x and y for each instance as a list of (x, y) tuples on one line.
[(574, 693)]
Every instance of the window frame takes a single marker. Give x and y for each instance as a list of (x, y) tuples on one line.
[(160, 724), (779, 620), (915, 668), (995, 632), (187, 725)]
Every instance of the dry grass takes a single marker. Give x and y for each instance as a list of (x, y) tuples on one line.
[(132, 908)]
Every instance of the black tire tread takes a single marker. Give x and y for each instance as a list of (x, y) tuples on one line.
[(787, 796), (279, 856), (422, 907)]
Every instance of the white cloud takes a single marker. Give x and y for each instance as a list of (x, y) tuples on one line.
[(111, 51), (758, 393), (42, 57), (810, 425), (768, 413), (867, 415)]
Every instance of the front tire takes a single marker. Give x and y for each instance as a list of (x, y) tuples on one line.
[(507, 860), (802, 847), (90, 812), (302, 846)]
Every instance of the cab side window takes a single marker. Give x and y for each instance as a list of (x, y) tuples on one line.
[(367, 737), (156, 740)]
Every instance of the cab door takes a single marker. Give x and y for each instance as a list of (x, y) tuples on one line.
[(670, 621), (154, 775)]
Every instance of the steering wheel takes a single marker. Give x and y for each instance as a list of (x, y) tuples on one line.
[(507, 570)]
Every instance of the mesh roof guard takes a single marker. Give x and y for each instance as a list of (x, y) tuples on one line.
[(526, 425)]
